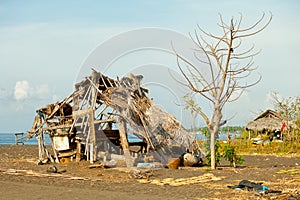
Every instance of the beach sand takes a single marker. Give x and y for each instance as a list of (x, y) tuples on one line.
[(22, 178)]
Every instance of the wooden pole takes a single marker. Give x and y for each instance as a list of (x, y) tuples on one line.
[(78, 151), (41, 149), (92, 136), (124, 141), (54, 150)]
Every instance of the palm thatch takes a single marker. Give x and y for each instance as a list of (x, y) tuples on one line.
[(268, 120)]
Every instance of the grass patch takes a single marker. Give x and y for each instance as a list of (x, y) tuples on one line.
[(243, 146), (207, 169), (291, 171)]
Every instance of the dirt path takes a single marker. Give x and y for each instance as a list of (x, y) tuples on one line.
[(116, 184)]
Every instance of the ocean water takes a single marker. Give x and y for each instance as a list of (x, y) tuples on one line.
[(221, 136), (9, 138)]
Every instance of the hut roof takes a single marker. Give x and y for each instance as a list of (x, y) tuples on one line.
[(268, 120), (99, 101)]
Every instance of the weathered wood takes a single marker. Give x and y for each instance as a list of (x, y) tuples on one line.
[(78, 151), (101, 112), (96, 166), (92, 132), (56, 127), (94, 99), (81, 113), (104, 121), (54, 151), (67, 154), (85, 96), (124, 141), (43, 152), (103, 81), (19, 140), (68, 99)]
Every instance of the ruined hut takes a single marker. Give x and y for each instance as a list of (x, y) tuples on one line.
[(94, 121)]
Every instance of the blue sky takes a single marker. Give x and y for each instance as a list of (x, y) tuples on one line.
[(44, 44)]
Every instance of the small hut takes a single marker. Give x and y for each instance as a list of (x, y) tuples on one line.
[(95, 120), (267, 121)]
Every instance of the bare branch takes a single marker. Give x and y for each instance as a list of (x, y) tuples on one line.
[(254, 33), (211, 35)]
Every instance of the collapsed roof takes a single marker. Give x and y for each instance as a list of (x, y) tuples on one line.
[(86, 117)]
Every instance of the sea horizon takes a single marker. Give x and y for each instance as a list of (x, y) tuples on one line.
[(9, 138)]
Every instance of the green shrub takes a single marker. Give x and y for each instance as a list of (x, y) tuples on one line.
[(218, 155), (229, 153)]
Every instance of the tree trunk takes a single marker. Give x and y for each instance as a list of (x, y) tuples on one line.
[(214, 130), (212, 150)]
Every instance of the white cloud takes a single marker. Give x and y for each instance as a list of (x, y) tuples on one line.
[(21, 90)]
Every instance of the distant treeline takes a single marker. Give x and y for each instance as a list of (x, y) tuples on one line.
[(222, 129)]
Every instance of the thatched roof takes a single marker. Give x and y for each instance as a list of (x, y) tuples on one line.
[(268, 120)]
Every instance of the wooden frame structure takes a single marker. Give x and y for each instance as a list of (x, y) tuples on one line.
[(81, 125)]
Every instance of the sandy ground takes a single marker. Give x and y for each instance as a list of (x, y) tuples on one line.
[(22, 178)]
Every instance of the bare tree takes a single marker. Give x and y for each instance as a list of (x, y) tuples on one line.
[(223, 65), (289, 108)]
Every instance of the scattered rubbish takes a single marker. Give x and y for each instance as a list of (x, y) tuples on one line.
[(260, 189), (52, 169), (110, 164), (104, 164), (174, 163), (42, 162), (141, 173), (145, 165), (96, 166), (64, 160), (248, 185), (190, 160)]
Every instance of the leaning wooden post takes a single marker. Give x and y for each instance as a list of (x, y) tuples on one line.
[(124, 141), (92, 136), (54, 150), (41, 146), (78, 151)]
